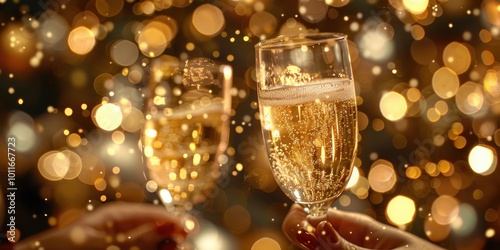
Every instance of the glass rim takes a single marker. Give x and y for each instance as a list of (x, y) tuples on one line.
[(294, 40)]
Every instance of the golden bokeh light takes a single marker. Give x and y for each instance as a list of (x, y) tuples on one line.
[(154, 37), (417, 32), (491, 85), (109, 8), (73, 140), (416, 6), (445, 209), (393, 106), (263, 24), (57, 165), (400, 210), (483, 159), (266, 243), (445, 82), (434, 231), (382, 176), (413, 172), (469, 98), (124, 52), (208, 20), (81, 40), (108, 116), (237, 219), (457, 57)]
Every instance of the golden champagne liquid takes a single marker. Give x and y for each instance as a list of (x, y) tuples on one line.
[(181, 152), (310, 132)]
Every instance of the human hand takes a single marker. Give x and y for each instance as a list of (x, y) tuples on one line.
[(124, 225), (347, 230)]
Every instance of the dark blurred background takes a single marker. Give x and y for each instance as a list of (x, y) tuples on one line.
[(427, 80)]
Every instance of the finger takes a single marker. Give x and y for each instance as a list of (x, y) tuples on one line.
[(363, 230), (152, 236), (121, 217), (329, 239), (295, 228)]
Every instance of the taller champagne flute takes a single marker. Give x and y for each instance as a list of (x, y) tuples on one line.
[(308, 112)]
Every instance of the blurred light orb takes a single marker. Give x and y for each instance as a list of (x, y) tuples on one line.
[(457, 57), (435, 231), (445, 209), (337, 3), (400, 210), (18, 43), (208, 20), (489, 233), (417, 32), (375, 44), (361, 188), (313, 11), (490, 12), (153, 38), (124, 52), (81, 40), (132, 120), (147, 7), (53, 165), (57, 165), (22, 127), (469, 98), (491, 84), (292, 27), (53, 30), (416, 6), (266, 243), (263, 24), (487, 57), (466, 221), (445, 82), (382, 176), (109, 8), (108, 116), (393, 106), (25, 135), (87, 19), (483, 159), (237, 219)]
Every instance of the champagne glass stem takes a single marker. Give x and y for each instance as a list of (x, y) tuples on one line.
[(318, 209)]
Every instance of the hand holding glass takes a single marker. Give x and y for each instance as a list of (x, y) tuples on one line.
[(308, 115)]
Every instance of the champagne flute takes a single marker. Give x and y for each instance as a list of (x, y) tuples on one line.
[(308, 112), (186, 129)]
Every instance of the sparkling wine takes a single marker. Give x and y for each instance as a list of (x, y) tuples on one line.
[(182, 148), (310, 132)]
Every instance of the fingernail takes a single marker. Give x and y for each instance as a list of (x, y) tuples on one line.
[(306, 239), (325, 229)]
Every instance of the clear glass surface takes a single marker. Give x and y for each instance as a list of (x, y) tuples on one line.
[(308, 112), (186, 129)]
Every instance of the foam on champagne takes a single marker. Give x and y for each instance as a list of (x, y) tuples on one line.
[(320, 89)]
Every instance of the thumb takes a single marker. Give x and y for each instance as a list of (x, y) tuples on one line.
[(329, 239)]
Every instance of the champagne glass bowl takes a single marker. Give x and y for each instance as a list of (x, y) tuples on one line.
[(308, 112)]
